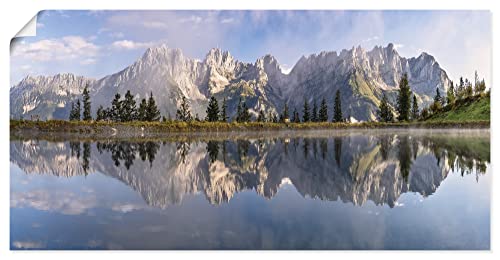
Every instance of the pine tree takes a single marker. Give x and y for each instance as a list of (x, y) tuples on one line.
[(437, 97), (314, 114), (468, 88), (246, 113), (239, 110), (87, 116), (323, 111), (152, 111), (450, 94), (305, 112), (337, 108), (460, 90), (77, 110), (142, 110), (414, 108), (385, 111), (295, 116), (72, 112), (100, 114), (261, 117), (223, 114), (116, 108), (129, 109), (212, 110), (183, 112), (404, 99), (285, 114)]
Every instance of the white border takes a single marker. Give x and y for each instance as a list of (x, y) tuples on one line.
[(15, 14)]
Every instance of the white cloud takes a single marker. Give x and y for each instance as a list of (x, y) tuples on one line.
[(192, 19), (155, 25), (398, 46), (60, 49), (369, 39), (130, 45), (40, 25), (63, 202), (227, 20)]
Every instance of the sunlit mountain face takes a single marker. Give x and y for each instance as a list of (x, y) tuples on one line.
[(272, 180)]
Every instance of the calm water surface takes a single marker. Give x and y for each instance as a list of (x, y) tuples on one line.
[(324, 190)]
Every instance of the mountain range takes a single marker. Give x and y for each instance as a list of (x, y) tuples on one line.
[(361, 76)]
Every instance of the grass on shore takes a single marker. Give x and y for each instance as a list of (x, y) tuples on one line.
[(468, 109), (176, 126)]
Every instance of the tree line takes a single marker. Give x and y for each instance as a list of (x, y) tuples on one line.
[(121, 110), (407, 106)]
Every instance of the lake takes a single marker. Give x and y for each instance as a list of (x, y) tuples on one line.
[(379, 189)]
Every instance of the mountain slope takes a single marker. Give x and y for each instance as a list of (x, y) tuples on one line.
[(361, 76), (469, 109)]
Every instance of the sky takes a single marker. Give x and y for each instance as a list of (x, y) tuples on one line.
[(98, 43)]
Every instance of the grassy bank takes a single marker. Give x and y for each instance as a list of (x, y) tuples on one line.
[(159, 127), (468, 109)]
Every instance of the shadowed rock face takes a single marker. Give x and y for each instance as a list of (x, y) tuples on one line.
[(352, 168), (361, 76)]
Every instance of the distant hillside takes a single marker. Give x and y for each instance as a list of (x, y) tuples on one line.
[(469, 109)]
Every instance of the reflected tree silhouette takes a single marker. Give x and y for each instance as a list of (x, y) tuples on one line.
[(404, 156), (182, 151), (323, 145), (213, 151), (86, 157), (337, 144), (75, 149)]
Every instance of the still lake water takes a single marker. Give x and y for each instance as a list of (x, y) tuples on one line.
[(311, 190)]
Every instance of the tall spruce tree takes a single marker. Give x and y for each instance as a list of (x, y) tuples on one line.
[(100, 113), (306, 117), (212, 110), (404, 99), (450, 94), (244, 113), (414, 109), (295, 116), (262, 116), (286, 114), (337, 108), (184, 112), (77, 110), (314, 113), (116, 108), (152, 111), (223, 114), (437, 97), (72, 112), (129, 109), (239, 110), (323, 111), (87, 116), (142, 111), (385, 112)]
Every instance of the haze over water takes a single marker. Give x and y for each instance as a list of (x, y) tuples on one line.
[(292, 190)]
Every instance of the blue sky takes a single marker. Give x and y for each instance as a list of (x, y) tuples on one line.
[(98, 43)]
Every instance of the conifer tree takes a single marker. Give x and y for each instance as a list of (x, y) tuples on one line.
[(152, 111), (244, 115), (404, 99), (414, 108), (450, 94), (142, 110), (100, 114), (385, 112), (87, 116), (128, 108), (306, 117), (239, 110), (437, 97), (72, 112), (223, 114), (261, 117), (116, 108), (468, 88), (295, 116), (212, 110), (314, 114), (183, 112), (323, 111), (285, 114), (77, 110), (337, 108)]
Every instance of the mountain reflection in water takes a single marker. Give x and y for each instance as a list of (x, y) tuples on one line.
[(354, 168)]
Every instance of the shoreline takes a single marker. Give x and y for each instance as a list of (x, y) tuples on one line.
[(117, 130)]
